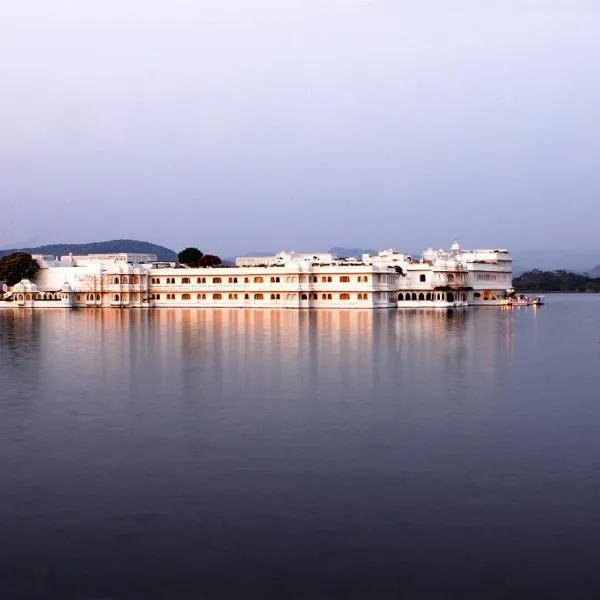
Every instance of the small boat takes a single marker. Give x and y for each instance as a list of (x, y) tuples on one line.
[(522, 300)]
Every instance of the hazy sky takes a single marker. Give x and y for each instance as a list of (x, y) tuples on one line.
[(267, 124)]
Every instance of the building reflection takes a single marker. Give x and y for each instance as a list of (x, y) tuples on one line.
[(227, 353)]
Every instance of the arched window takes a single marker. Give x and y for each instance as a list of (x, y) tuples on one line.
[(428, 296), (450, 297), (315, 296), (324, 279), (400, 297), (272, 296), (365, 278), (216, 280), (304, 297), (258, 280), (185, 296), (344, 279), (314, 279), (450, 278), (329, 279), (258, 296), (323, 296), (277, 296), (422, 278), (116, 280), (438, 297), (421, 296), (185, 280), (344, 296), (216, 296), (246, 280), (116, 297), (414, 296), (329, 296), (246, 296), (233, 296)]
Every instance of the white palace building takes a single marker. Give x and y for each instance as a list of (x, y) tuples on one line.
[(439, 279)]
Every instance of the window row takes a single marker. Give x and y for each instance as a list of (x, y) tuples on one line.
[(432, 296), (255, 279), (343, 296), (126, 279), (216, 296)]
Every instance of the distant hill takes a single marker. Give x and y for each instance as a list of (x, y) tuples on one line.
[(110, 246), (577, 261), (555, 281)]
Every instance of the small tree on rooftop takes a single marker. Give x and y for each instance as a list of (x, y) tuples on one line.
[(17, 266), (210, 260), (190, 257)]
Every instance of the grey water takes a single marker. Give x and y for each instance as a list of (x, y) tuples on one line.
[(200, 454)]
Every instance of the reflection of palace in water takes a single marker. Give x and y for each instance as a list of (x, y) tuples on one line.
[(187, 352)]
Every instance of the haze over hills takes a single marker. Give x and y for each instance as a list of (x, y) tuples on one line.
[(595, 272), (110, 246)]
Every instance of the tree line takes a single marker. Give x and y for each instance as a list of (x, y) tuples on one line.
[(555, 281)]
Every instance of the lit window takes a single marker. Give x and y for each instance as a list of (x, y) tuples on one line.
[(344, 279), (344, 296), (216, 296), (258, 296), (216, 280), (185, 296)]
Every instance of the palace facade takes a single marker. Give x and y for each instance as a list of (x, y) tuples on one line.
[(439, 279)]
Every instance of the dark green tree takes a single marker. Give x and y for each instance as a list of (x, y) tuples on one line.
[(190, 257), (17, 266), (210, 260)]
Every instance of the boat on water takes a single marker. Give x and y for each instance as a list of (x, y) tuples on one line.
[(523, 300)]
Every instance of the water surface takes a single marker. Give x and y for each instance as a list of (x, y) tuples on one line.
[(293, 454)]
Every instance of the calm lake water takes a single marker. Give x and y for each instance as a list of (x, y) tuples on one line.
[(200, 454)]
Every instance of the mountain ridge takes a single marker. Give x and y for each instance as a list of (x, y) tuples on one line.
[(105, 247)]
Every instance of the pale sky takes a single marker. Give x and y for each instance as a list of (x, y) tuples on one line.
[(238, 125)]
